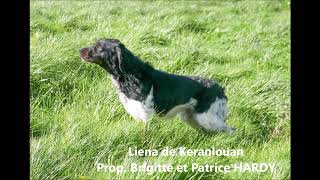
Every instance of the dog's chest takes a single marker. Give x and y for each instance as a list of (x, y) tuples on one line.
[(141, 110)]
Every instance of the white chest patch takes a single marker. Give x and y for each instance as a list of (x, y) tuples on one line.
[(139, 110)]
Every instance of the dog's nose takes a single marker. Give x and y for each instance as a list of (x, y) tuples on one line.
[(80, 50)]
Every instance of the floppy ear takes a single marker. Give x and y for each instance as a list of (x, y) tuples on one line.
[(117, 56)]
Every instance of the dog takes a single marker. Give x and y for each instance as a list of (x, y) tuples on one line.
[(145, 91)]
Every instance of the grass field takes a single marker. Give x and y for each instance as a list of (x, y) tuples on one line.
[(77, 120)]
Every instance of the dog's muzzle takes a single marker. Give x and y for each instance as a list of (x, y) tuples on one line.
[(85, 53)]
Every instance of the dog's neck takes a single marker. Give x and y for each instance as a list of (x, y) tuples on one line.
[(133, 77)]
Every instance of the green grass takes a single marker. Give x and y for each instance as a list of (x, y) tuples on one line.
[(77, 120)]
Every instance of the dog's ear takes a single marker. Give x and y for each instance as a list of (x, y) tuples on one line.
[(117, 55)]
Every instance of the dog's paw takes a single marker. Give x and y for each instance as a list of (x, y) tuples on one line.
[(230, 130)]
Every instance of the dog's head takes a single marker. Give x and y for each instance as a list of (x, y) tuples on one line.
[(105, 52), (114, 57)]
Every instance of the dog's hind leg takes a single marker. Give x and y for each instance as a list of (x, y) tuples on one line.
[(214, 118), (228, 129), (208, 123), (213, 124)]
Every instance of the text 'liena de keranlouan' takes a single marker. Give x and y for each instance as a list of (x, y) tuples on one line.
[(183, 151)]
